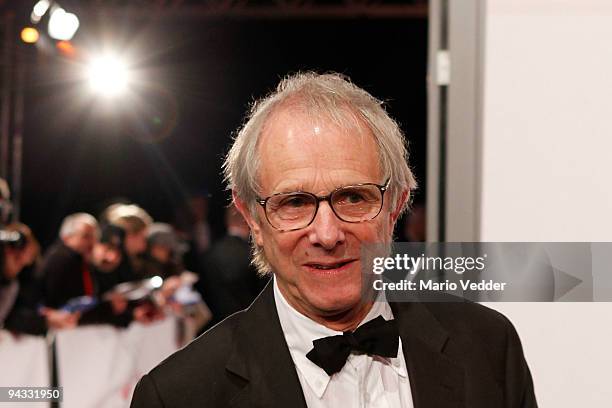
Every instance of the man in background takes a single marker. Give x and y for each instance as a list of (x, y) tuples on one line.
[(191, 224), (107, 256), (66, 265), (135, 222), (229, 282), (165, 250), (27, 316)]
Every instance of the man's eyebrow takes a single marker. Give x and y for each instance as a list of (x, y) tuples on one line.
[(290, 189), (299, 187)]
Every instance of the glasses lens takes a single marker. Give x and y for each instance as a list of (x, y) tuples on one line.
[(358, 203), (290, 211)]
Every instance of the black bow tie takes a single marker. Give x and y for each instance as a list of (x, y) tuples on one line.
[(376, 337)]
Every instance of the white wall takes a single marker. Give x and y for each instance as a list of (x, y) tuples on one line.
[(547, 173), (547, 121), (568, 353)]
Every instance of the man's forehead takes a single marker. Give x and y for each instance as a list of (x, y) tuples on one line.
[(295, 125), (86, 228), (297, 150)]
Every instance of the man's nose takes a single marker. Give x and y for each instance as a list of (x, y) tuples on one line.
[(326, 229)]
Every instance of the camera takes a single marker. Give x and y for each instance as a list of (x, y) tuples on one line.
[(8, 237), (13, 238)]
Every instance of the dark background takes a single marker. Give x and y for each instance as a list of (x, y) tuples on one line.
[(199, 77)]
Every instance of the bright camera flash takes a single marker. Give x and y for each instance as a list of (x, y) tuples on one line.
[(108, 75)]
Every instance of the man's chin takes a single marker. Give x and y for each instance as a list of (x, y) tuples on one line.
[(336, 303)]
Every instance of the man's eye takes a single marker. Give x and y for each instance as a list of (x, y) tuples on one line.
[(294, 202), (354, 198), (350, 197)]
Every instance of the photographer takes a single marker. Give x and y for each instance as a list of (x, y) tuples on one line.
[(135, 223), (65, 267), (10, 266), (71, 271), (20, 294), (9, 257), (26, 316)]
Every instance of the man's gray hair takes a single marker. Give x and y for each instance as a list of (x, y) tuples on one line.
[(71, 224), (330, 96)]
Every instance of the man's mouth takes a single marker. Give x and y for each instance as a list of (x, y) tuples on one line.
[(324, 266)]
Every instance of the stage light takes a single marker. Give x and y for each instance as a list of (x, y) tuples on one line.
[(108, 75), (62, 25), (29, 35), (39, 10)]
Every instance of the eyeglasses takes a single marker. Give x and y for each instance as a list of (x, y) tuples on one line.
[(297, 210)]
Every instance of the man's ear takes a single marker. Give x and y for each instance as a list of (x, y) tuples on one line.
[(398, 206), (243, 209)]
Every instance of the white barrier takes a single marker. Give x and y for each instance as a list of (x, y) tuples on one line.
[(99, 366), (23, 362)]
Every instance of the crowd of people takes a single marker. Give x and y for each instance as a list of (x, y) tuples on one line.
[(122, 267)]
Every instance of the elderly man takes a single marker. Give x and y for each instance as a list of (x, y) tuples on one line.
[(318, 171), (66, 267)]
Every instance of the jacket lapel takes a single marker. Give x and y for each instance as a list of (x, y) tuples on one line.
[(435, 379), (261, 358)]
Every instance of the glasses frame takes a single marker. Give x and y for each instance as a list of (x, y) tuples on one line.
[(381, 187)]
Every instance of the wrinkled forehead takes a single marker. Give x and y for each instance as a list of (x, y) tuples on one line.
[(297, 144), (312, 124)]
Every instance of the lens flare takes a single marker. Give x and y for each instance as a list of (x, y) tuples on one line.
[(108, 75)]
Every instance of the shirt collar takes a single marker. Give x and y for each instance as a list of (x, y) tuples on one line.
[(300, 331)]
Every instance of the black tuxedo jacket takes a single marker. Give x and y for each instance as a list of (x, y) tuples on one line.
[(62, 271), (458, 355)]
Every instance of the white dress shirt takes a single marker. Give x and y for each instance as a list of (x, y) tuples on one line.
[(364, 381)]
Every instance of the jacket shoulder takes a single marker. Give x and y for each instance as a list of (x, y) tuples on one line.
[(466, 316), (488, 339), (479, 333)]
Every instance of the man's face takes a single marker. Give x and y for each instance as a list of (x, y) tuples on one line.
[(83, 240), (106, 257), (161, 253), (136, 242), (313, 155)]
